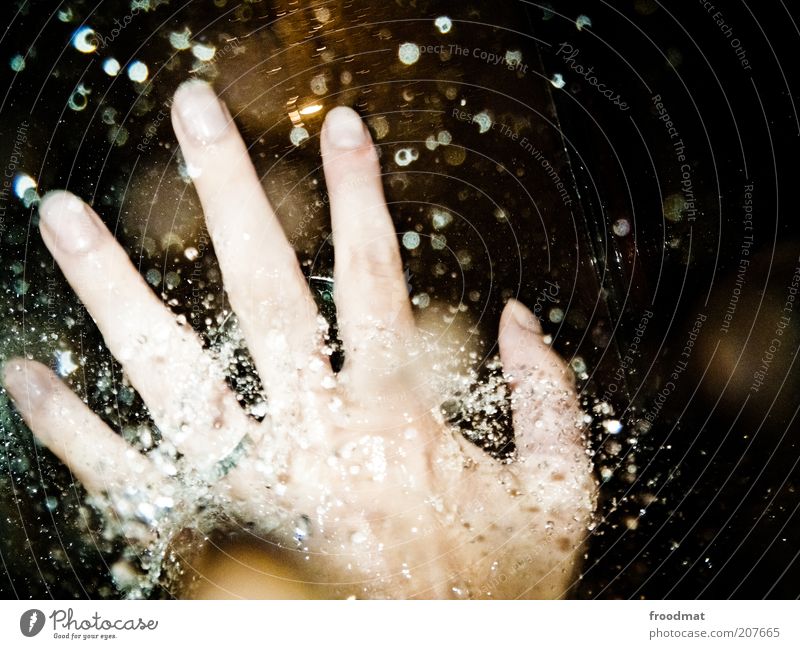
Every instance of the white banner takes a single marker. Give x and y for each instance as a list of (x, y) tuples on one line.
[(390, 624)]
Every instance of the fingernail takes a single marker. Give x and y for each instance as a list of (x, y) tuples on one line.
[(27, 383), (202, 115), (522, 316), (344, 128), (66, 218)]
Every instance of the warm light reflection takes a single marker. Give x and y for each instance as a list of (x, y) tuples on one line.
[(310, 110)]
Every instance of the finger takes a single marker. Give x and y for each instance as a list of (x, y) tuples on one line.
[(373, 310), (165, 362), (263, 280), (548, 430), (98, 457), (546, 413)]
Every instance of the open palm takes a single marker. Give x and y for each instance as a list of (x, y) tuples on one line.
[(356, 468)]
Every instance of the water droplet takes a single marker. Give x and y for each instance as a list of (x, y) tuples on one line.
[(259, 409), (674, 205), (146, 438), (20, 464), (410, 240), (422, 300), (444, 137), (85, 40), (556, 315), (21, 286), (409, 53), (675, 57), (298, 135), (146, 513), (621, 227), (319, 84), (153, 277), (22, 183), (558, 81), (111, 66), (358, 538), (189, 172), (204, 52), (65, 365), (172, 279), (438, 242), (613, 426), (513, 58), (583, 21), (78, 100), (30, 197), (17, 63), (180, 40), (118, 135), (164, 503), (191, 254), (440, 218), (455, 155), (137, 72), (578, 365), (443, 24), (483, 120), (405, 157)]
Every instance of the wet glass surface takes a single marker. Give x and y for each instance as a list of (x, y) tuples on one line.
[(511, 170)]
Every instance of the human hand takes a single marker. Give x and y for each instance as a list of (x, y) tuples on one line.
[(357, 469)]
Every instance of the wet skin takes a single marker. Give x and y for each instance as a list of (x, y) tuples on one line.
[(355, 469)]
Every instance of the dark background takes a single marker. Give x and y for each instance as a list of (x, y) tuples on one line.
[(698, 495)]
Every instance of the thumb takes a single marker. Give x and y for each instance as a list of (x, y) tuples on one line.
[(545, 406)]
